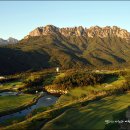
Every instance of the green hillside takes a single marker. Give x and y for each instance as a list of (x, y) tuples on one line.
[(40, 52)]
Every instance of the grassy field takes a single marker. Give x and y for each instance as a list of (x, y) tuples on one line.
[(13, 102), (92, 116)]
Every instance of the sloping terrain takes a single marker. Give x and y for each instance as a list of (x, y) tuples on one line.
[(90, 117), (67, 49)]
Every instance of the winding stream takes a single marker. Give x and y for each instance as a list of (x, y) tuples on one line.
[(46, 100)]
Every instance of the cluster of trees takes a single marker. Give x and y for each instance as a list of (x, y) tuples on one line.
[(37, 82), (80, 79)]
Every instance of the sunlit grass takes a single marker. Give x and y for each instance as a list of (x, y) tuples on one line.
[(92, 116), (12, 102)]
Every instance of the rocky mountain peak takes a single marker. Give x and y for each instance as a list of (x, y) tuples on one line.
[(37, 32), (108, 32), (49, 29), (77, 31)]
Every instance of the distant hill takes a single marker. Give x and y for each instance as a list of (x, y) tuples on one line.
[(10, 40), (51, 46)]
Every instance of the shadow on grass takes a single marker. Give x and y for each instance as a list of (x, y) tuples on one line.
[(110, 78)]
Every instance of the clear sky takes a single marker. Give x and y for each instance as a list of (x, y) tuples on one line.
[(18, 18)]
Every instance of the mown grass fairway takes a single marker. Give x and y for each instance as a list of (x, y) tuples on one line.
[(92, 116), (13, 102)]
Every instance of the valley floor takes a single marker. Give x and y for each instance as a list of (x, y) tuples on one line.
[(93, 99)]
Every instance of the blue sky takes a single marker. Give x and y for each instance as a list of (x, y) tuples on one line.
[(18, 18)]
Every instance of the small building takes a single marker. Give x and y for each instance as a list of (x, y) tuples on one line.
[(57, 69)]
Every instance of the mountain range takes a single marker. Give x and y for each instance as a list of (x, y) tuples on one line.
[(51, 46), (97, 31)]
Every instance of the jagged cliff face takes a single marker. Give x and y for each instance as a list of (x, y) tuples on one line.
[(95, 31), (108, 32)]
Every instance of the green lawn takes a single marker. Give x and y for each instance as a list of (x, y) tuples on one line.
[(12, 102), (92, 116)]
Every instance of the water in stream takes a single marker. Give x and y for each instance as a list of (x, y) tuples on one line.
[(46, 100)]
